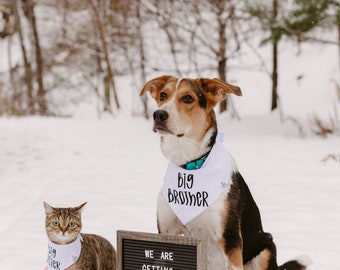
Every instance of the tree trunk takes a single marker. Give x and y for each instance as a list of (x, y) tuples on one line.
[(28, 70), (110, 72), (142, 57), (222, 75), (64, 19), (338, 26), (274, 77), (221, 55), (275, 59), (107, 94), (41, 95), (17, 95)]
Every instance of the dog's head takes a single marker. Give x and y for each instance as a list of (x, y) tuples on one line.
[(185, 111)]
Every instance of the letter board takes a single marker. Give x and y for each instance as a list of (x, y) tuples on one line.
[(147, 251)]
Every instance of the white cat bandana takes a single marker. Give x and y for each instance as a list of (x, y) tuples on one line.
[(190, 192), (60, 257)]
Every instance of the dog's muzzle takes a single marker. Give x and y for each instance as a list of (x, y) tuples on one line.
[(160, 117)]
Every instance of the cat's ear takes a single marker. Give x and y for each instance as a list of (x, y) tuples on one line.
[(48, 208), (79, 208)]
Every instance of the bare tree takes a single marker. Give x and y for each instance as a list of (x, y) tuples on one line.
[(276, 37), (215, 35), (225, 14), (338, 28), (28, 6), (7, 31), (192, 33), (271, 22), (166, 14), (28, 77), (142, 57), (98, 10)]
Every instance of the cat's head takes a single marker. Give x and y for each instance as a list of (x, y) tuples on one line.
[(63, 224)]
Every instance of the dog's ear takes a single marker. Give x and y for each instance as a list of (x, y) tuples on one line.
[(217, 90), (154, 85)]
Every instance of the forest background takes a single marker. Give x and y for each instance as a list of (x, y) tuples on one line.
[(56, 55)]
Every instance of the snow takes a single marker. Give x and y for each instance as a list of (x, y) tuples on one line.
[(117, 167)]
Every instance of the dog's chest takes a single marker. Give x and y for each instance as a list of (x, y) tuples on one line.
[(190, 193), (209, 224)]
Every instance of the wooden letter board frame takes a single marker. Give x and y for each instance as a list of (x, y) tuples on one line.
[(144, 251)]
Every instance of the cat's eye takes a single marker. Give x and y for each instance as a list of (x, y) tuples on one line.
[(71, 224), (55, 223)]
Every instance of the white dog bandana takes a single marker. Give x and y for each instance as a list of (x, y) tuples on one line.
[(190, 192), (60, 257)]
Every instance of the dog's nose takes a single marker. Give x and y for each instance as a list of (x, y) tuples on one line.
[(160, 116)]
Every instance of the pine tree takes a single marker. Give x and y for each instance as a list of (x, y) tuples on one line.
[(306, 15)]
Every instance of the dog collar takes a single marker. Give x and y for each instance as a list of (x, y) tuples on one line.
[(196, 164)]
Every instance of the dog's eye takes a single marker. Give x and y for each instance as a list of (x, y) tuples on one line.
[(188, 99), (162, 96)]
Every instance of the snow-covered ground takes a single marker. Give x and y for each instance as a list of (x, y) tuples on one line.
[(117, 167)]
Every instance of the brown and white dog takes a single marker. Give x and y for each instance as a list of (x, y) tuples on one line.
[(186, 123)]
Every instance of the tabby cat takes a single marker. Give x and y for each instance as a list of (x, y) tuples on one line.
[(63, 226)]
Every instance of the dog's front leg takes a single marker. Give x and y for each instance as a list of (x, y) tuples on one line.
[(232, 243), (217, 258), (167, 221), (235, 261)]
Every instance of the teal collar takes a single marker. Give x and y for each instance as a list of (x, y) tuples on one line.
[(196, 164)]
